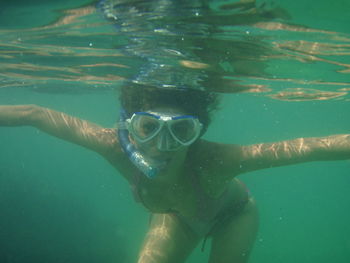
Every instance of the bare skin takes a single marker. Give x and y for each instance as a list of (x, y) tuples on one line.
[(217, 166)]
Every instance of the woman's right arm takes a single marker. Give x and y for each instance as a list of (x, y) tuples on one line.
[(18, 115), (63, 126)]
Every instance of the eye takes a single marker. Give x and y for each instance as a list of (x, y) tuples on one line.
[(184, 130), (149, 127), (146, 126)]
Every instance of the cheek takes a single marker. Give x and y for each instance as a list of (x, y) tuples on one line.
[(146, 147)]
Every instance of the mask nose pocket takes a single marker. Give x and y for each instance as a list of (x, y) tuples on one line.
[(165, 141)]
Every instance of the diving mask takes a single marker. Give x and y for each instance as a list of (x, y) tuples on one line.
[(170, 132)]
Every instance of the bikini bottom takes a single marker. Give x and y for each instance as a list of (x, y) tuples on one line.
[(227, 207)]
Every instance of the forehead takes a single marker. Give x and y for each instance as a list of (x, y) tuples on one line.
[(167, 111)]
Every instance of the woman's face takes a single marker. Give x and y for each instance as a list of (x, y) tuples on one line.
[(163, 132)]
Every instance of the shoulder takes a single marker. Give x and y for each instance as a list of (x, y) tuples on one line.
[(216, 164), (98, 139), (217, 157), (108, 140), (110, 149)]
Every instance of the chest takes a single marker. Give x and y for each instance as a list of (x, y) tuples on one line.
[(163, 197), (186, 197), (160, 197)]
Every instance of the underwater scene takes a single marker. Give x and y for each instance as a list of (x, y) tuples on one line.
[(280, 70)]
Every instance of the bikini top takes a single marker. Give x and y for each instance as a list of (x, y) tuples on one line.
[(207, 206)]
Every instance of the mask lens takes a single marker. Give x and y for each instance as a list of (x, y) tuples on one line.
[(185, 130), (166, 142), (144, 127)]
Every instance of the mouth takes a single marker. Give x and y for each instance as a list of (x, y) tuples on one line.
[(151, 150), (162, 156)]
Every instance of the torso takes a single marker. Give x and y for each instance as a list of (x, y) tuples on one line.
[(161, 196), (204, 160)]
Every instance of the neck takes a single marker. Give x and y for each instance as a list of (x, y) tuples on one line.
[(175, 169)]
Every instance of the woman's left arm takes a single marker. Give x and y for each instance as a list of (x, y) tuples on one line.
[(267, 155)]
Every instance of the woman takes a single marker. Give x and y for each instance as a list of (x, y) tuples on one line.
[(189, 184)]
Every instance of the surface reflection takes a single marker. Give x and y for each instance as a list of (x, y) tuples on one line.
[(224, 47)]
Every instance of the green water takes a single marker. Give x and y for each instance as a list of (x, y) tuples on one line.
[(61, 203)]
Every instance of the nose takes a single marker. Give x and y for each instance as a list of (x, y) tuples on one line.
[(165, 141)]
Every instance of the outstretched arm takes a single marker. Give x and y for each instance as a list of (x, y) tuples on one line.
[(266, 155), (61, 125)]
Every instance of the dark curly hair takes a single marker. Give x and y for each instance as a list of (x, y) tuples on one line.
[(134, 98)]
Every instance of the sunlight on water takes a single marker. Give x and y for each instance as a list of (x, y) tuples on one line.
[(74, 54), (218, 46)]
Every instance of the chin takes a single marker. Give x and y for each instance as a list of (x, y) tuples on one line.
[(162, 155), (153, 152)]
